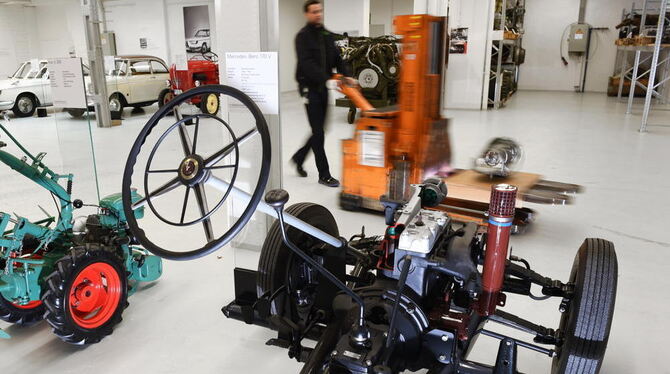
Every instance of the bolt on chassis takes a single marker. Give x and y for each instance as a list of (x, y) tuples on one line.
[(74, 272), (414, 298)]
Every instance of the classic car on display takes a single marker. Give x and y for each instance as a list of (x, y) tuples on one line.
[(134, 81), (200, 42), (26, 89)]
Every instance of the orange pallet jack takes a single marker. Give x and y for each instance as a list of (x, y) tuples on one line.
[(400, 145)]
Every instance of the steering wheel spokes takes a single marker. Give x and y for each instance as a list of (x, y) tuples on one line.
[(190, 170)]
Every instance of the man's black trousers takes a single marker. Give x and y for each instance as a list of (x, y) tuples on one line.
[(317, 106)]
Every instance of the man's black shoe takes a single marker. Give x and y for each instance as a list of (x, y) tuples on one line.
[(298, 168), (330, 182)]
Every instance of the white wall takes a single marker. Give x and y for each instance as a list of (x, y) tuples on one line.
[(51, 28), (60, 28), (291, 19), (383, 11), (129, 21), (164, 28), (352, 16), (19, 40), (545, 23)]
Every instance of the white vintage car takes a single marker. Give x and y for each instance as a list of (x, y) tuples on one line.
[(200, 42), (134, 81), (26, 89)]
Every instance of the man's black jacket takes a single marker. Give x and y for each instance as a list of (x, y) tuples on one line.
[(317, 56)]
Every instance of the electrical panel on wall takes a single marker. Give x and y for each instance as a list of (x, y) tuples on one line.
[(108, 41), (579, 36)]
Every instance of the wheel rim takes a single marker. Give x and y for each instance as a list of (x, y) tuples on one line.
[(25, 105), (212, 104), (114, 105), (31, 305), (94, 295)]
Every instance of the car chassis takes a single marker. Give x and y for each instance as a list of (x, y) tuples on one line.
[(415, 297)]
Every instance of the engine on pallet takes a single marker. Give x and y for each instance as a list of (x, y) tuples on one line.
[(375, 63)]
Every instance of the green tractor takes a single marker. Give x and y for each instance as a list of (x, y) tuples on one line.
[(75, 273)]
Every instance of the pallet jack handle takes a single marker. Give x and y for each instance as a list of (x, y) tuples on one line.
[(353, 92)]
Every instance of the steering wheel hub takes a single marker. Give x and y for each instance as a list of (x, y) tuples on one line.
[(192, 170)]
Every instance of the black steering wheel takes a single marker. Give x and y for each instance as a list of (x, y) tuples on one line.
[(207, 56), (194, 171)]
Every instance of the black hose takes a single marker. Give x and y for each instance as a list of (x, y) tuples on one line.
[(401, 285)]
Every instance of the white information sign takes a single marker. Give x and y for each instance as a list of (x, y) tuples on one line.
[(255, 74), (67, 82), (372, 148)]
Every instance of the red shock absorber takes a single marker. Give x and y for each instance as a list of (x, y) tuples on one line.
[(501, 215)]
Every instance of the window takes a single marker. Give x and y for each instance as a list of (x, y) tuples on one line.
[(120, 68), (43, 73), (28, 70), (203, 33), (158, 67), (140, 68)]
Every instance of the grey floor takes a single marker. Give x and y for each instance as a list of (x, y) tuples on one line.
[(175, 325)]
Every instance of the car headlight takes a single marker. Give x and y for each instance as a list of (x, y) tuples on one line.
[(197, 83), (168, 83)]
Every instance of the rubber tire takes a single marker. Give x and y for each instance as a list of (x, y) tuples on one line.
[(121, 102), (586, 324), (203, 104), (204, 48), (75, 112), (58, 285), (273, 264), (20, 114), (161, 97), (22, 317)]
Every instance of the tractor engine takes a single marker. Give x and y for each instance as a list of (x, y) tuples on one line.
[(421, 324)]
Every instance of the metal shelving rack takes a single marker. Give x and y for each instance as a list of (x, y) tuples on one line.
[(657, 54), (499, 65)]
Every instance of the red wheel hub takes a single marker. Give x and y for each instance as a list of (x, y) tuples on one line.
[(94, 295)]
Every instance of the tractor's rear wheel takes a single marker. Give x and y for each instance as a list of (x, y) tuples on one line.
[(24, 315), (86, 294), (586, 322)]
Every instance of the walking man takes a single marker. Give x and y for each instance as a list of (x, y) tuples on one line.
[(317, 56)]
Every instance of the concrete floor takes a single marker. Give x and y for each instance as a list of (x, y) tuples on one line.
[(175, 325)]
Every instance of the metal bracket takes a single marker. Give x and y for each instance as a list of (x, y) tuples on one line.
[(506, 360), (441, 343)]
